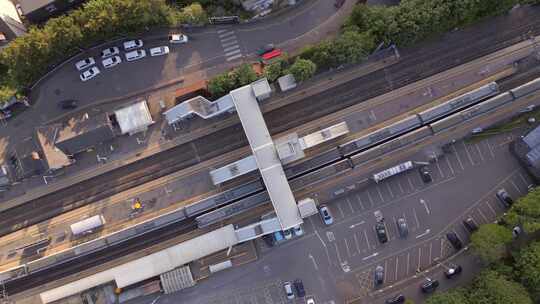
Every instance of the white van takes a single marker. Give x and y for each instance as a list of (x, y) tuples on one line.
[(132, 44), (135, 55)]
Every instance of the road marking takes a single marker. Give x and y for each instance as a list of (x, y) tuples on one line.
[(360, 201), (389, 190), (330, 235), (439, 167), (449, 164), (228, 39), (408, 262), (373, 116), (385, 269), (482, 215), (491, 208), (468, 154), (524, 179), (423, 202), (340, 210), (515, 186), (490, 148), (370, 199), (400, 187), (314, 262), (370, 256), (410, 183), (419, 257), (479, 152), (232, 53), (229, 43), (458, 158), (387, 231), (338, 255), (234, 57), (357, 224), (350, 204), (367, 240), (430, 249), (423, 233), (442, 248), (320, 238), (348, 250), (380, 193), (231, 48), (416, 218), (357, 244), (223, 35)]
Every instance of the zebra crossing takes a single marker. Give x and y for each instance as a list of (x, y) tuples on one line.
[(230, 44)]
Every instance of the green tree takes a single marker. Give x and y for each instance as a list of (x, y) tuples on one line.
[(353, 47), (408, 301), (528, 268), (275, 70), (489, 242), (244, 75), (303, 69), (456, 296), (492, 288), (526, 212), (193, 14), (221, 84)]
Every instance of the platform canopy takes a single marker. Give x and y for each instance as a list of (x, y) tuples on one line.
[(134, 118)]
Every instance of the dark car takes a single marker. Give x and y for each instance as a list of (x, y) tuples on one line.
[(505, 198), (381, 232), (67, 104), (379, 275), (470, 224), (269, 240), (425, 174), (265, 49), (454, 240), (453, 271), (299, 287), (402, 227), (429, 286), (398, 299)]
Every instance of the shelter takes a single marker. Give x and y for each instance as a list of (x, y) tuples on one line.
[(134, 118), (286, 82), (199, 106)]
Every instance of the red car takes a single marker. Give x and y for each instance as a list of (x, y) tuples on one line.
[(272, 54)]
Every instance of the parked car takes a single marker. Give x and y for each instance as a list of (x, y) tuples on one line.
[(269, 240), (452, 271), (278, 236), (288, 290), (402, 227), (299, 287), (504, 197), (108, 52), (310, 300), (477, 130), (454, 240), (326, 215), (89, 74), (85, 63), (398, 299), (135, 55), (132, 44), (288, 234), (111, 61), (67, 104), (378, 216), (159, 51), (425, 174), (379, 275), (429, 286), (298, 231), (380, 229), (265, 49), (178, 38), (470, 224)]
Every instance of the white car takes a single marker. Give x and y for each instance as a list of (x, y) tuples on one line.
[(310, 300), (111, 61), (178, 38), (83, 64), (89, 74), (135, 55), (158, 51), (132, 44), (110, 52)]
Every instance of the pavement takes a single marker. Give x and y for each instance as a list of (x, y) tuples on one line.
[(207, 53)]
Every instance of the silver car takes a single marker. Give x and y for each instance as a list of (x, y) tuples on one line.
[(326, 216), (108, 52), (288, 290), (89, 74), (402, 227), (111, 61)]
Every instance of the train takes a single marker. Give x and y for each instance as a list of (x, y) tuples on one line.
[(336, 160)]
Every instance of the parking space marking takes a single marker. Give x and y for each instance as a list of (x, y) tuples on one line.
[(416, 218), (388, 231), (458, 158), (479, 152), (490, 148), (350, 204), (442, 248), (468, 154), (370, 199), (449, 164), (491, 209), (524, 179), (408, 262), (401, 187), (396, 273), (419, 258), (380, 194), (439, 167), (515, 186), (367, 240), (385, 269), (356, 243), (338, 254), (410, 183), (430, 250), (389, 190), (340, 210), (486, 220), (360, 201), (347, 247)]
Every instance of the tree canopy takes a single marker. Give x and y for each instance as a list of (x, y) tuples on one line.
[(526, 212), (303, 69), (528, 268), (492, 288), (455, 296), (489, 242)]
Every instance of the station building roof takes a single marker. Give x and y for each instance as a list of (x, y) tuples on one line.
[(134, 118)]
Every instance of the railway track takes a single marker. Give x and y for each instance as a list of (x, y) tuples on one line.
[(417, 63)]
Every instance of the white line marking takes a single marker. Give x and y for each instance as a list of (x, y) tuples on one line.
[(360, 201), (320, 238), (370, 199), (228, 39), (347, 246), (314, 262), (458, 158), (482, 215), (370, 256), (357, 224), (423, 202), (390, 190), (229, 43), (223, 35), (430, 249), (449, 164), (367, 240), (401, 187), (524, 179), (234, 57), (416, 218), (439, 167), (380, 194), (222, 31), (350, 204), (442, 248), (340, 210), (490, 149), (515, 186), (491, 208), (385, 269), (234, 47), (397, 269), (232, 52), (479, 152), (410, 183), (419, 257), (356, 243), (408, 262), (468, 154), (423, 233)]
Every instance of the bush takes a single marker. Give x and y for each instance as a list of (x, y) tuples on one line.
[(493, 288), (244, 75), (275, 70), (528, 268), (303, 69), (221, 84)]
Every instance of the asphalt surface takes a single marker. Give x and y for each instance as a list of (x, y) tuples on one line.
[(417, 63), (336, 263)]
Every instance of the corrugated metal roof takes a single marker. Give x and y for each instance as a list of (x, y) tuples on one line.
[(532, 139), (134, 118)]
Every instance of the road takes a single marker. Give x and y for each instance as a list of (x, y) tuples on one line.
[(417, 63), (336, 263)]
